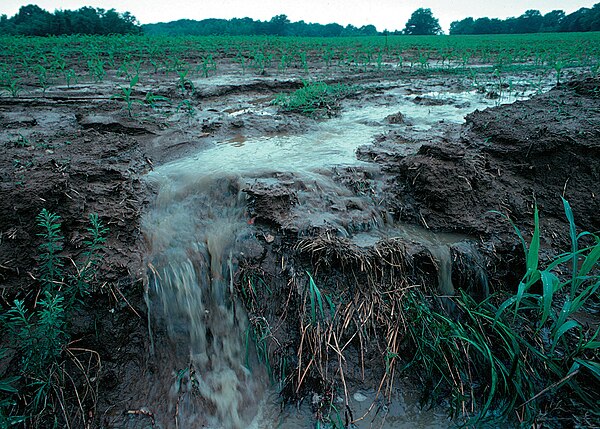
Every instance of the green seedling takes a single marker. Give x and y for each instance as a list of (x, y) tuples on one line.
[(96, 70), (207, 66), (558, 67), (126, 95), (187, 107), (184, 83), (42, 77), (155, 101), (70, 77)]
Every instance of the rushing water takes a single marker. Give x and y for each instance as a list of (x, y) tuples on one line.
[(194, 228)]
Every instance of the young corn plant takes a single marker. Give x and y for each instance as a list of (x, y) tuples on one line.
[(10, 83), (126, 95), (155, 101), (184, 83), (558, 66), (207, 65), (96, 69), (42, 77), (70, 76)]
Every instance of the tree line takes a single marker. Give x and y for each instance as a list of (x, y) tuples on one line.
[(32, 20), (532, 21), (279, 25)]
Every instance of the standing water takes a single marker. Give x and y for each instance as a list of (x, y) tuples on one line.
[(194, 229)]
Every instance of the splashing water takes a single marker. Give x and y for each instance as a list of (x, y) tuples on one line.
[(192, 231)]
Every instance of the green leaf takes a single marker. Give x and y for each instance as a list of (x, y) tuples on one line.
[(581, 299), (590, 261), (6, 384), (549, 281), (591, 365), (534, 246), (569, 324)]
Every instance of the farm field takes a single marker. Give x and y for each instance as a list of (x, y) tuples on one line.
[(232, 232)]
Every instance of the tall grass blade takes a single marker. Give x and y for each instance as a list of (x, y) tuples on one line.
[(591, 365), (590, 261), (560, 331), (534, 246), (574, 245), (583, 297), (315, 298)]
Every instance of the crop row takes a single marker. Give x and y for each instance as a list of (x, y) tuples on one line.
[(40, 62)]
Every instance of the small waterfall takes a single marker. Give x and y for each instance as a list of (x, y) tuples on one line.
[(192, 232), (443, 259)]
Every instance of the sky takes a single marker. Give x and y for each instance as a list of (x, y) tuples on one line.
[(384, 14)]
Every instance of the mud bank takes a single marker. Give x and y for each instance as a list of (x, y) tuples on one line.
[(505, 159), (412, 209)]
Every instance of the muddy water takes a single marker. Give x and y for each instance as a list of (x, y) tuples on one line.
[(194, 229), (438, 245)]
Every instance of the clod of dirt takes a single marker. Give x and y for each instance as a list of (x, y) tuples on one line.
[(270, 203), (17, 120), (429, 101), (396, 118)]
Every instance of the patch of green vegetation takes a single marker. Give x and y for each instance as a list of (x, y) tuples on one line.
[(511, 355), (315, 98), (37, 331)]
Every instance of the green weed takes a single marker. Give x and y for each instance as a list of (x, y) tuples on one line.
[(37, 331), (315, 98), (505, 359)]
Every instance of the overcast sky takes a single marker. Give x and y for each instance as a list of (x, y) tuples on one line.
[(384, 14)]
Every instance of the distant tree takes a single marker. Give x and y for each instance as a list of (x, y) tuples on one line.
[(575, 21), (6, 26), (584, 19), (331, 30), (31, 20), (277, 25), (552, 21), (464, 26), (368, 30), (530, 22), (350, 30), (422, 22), (594, 18)]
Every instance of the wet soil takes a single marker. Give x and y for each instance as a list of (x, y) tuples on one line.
[(74, 151), (504, 159)]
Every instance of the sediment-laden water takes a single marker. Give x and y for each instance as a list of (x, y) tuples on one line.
[(194, 229)]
